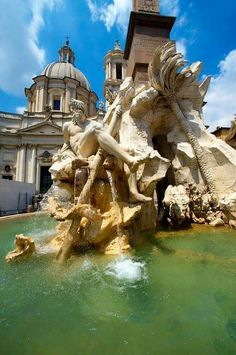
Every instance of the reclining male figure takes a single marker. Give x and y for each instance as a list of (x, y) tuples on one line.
[(83, 137)]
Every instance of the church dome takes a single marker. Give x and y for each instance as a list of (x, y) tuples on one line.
[(58, 84), (61, 70)]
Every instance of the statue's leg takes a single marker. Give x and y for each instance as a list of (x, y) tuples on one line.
[(134, 195), (109, 144)]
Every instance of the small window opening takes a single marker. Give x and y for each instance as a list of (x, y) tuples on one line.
[(7, 177), (56, 103), (118, 71)]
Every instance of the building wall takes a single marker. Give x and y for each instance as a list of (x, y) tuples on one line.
[(15, 196)]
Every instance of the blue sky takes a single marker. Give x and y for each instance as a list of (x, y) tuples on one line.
[(32, 31)]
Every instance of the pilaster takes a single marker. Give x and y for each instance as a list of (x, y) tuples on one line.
[(32, 164), (21, 163), (67, 98)]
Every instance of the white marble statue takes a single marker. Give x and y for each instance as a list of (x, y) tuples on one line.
[(82, 138), (199, 157), (134, 135), (156, 132)]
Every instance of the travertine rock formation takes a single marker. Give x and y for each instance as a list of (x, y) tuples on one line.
[(24, 247), (228, 206), (155, 133), (177, 202), (153, 140), (199, 157)]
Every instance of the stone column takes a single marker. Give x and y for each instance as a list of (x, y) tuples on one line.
[(21, 176), (18, 164), (50, 100), (29, 97), (45, 95), (113, 70), (37, 176), (109, 70), (67, 99), (37, 100), (61, 102), (41, 92), (33, 165)]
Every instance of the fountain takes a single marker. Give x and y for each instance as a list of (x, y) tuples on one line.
[(105, 174)]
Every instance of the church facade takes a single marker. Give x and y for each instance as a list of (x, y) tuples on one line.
[(29, 141)]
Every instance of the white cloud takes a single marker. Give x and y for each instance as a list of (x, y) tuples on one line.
[(20, 109), (182, 20), (117, 12), (21, 56), (170, 7), (221, 97), (181, 46), (114, 13)]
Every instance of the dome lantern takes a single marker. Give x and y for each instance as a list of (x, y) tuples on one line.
[(66, 54)]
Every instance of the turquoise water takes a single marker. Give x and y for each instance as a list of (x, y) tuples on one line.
[(175, 294)]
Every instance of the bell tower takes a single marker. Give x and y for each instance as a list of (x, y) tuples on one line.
[(115, 67), (147, 30)]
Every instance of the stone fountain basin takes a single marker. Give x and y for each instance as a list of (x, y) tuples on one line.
[(174, 293)]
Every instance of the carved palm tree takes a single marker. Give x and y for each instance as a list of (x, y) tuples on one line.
[(174, 84)]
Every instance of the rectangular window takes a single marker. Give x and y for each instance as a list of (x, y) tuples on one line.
[(119, 71), (7, 177), (56, 104)]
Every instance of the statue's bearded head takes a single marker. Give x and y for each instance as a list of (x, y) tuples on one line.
[(78, 109)]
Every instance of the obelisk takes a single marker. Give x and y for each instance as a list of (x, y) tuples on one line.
[(146, 5), (147, 30)]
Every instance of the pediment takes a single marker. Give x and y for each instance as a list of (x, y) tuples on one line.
[(48, 128)]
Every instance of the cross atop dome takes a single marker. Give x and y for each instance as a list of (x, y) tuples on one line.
[(146, 6), (67, 40), (66, 54)]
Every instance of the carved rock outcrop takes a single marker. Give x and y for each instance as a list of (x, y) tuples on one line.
[(24, 247), (106, 173), (176, 201), (228, 206)]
